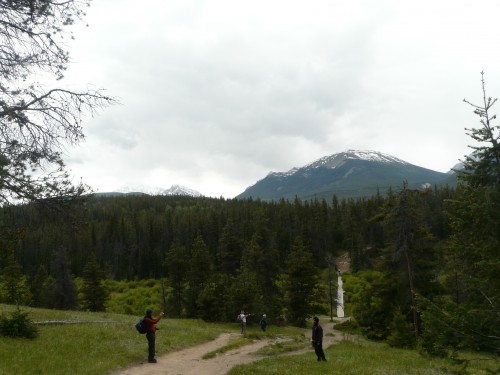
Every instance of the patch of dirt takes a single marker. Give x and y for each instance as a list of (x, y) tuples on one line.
[(189, 361)]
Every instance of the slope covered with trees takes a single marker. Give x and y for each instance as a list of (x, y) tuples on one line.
[(216, 256)]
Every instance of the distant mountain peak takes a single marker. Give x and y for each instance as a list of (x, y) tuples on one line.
[(338, 159), (351, 173), (181, 190), (154, 190)]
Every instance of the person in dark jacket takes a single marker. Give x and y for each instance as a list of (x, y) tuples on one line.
[(263, 323), (317, 339), (151, 333)]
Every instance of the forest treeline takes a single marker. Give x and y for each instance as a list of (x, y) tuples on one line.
[(133, 237), (215, 257), (422, 270)]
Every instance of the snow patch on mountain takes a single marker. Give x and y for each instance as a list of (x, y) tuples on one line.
[(182, 190), (154, 190), (336, 160)]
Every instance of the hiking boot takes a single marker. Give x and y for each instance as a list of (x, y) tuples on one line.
[(152, 360)]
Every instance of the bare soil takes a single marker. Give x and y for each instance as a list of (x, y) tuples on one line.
[(189, 361)]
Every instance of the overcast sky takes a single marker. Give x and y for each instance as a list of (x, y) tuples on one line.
[(216, 94)]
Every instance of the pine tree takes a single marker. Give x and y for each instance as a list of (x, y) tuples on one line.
[(64, 292), (200, 270), (473, 258), (177, 265), (14, 285), (407, 232), (37, 285), (229, 250), (301, 280), (94, 292)]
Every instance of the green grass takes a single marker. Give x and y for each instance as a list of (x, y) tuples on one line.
[(94, 348), (292, 335), (363, 358), (104, 342), (288, 344), (233, 344)]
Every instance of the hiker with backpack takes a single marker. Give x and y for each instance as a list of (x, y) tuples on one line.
[(150, 328), (242, 318)]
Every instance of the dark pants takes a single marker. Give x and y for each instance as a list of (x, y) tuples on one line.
[(318, 349), (151, 345)]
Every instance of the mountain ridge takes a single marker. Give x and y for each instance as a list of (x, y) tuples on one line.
[(351, 173), (152, 190)]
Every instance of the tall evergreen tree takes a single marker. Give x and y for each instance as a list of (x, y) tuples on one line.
[(408, 233), (301, 280), (37, 285), (471, 273), (200, 270), (216, 300), (177, 265), (64, 293), (229, 250), (13, 284), (94, 292)]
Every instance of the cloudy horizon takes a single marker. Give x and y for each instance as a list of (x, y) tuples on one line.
[(214, 95)]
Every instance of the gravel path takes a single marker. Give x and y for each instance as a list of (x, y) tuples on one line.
[(189, 361)]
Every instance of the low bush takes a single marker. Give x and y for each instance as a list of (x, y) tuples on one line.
[(17, 325)]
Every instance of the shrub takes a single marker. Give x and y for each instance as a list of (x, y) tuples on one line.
[(18, 325), (401, 332)]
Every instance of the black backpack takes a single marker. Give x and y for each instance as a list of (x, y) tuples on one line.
[(141, 326)]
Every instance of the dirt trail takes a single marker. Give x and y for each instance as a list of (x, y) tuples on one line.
[(189, 361)]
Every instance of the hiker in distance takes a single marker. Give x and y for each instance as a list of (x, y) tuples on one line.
[(263, 323), (317, 339), (151, 333), (242, 318)]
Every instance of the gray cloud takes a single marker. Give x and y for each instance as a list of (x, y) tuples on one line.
[(217, 94)]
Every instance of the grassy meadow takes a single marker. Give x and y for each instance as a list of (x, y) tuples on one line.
[(98, 344), (363, 358), (101, 343)]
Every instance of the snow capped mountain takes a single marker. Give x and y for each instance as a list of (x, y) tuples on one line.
[(181, 190), (151, 190), (339, 159), (352, 173)]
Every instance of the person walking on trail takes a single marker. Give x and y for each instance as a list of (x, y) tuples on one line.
[(151, 333), (263, 323), (243, 321), (317, 339)]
